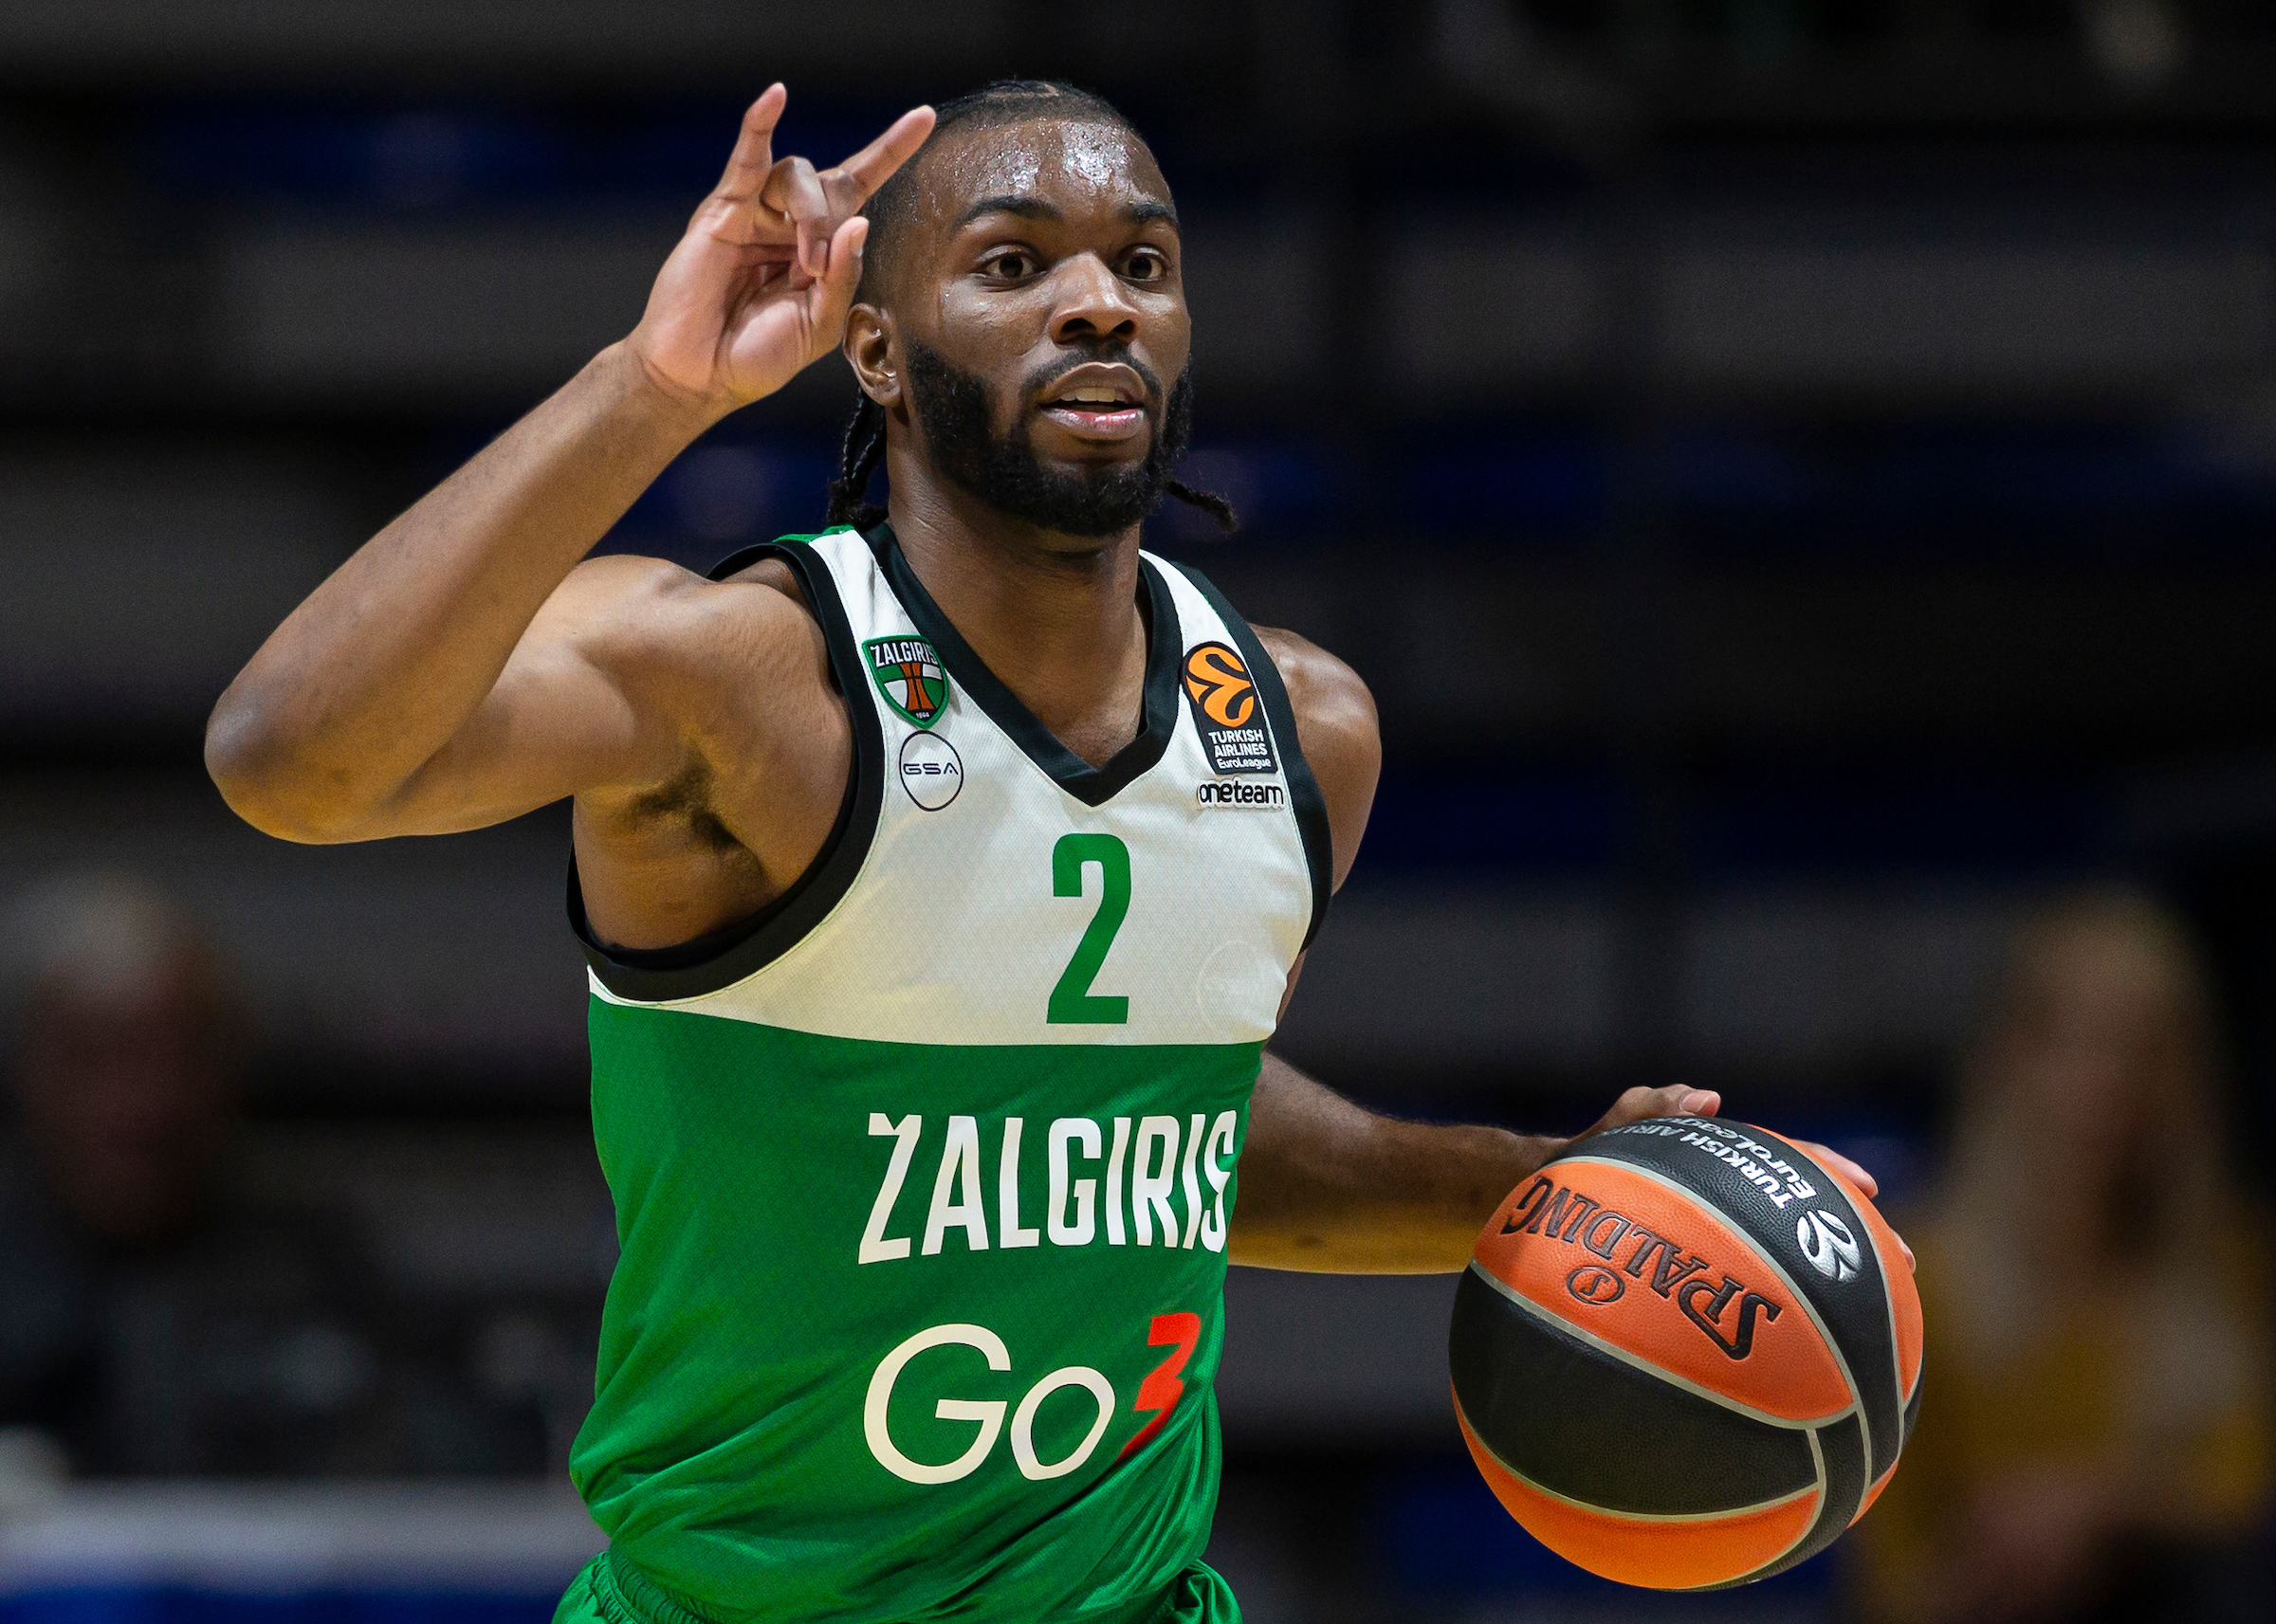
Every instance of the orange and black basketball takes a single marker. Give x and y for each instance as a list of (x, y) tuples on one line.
[(1685, 1355)]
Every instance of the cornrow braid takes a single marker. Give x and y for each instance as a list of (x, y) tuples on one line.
[(1216, 506), (857, 459)]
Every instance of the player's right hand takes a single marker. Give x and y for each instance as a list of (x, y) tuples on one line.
[(1683, 1100), (1679, 1100), (760, 285)]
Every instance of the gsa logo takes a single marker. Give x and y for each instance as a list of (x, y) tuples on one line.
[(931, 771), (1827, 1242)]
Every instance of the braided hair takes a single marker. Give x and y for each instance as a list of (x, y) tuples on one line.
[(1006, 102), (857, 459)]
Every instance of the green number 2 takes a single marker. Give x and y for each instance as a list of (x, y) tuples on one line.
[(1073, 1003)]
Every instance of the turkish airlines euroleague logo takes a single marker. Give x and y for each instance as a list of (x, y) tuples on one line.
[(1226, 711)]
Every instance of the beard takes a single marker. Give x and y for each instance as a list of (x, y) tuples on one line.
[(951, 407)]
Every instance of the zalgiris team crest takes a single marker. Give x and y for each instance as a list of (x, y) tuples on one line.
[(909, 674)]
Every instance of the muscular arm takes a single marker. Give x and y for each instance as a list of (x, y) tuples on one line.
[(1325, 1184), (340, 726), (1329, 1187), (453, 672)]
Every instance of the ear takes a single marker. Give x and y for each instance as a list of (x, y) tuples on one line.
[(870, 351)]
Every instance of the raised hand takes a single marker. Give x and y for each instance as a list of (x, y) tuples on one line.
[(760, 285)]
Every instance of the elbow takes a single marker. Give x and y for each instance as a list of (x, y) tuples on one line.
[(266, 778)]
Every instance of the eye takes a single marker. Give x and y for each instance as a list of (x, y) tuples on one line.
[(1011, 265), (1145, 265)]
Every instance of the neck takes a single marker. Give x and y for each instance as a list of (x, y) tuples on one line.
[(1055, 617)]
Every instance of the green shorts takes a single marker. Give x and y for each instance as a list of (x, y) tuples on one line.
[(614, 1593)]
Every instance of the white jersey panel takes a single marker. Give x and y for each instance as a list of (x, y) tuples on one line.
[(951, 930)]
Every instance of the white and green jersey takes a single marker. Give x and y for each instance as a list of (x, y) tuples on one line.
[(924, 1177)]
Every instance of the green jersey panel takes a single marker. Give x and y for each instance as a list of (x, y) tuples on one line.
[(943, 1336)]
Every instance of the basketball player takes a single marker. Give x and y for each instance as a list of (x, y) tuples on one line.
[(940, 877)]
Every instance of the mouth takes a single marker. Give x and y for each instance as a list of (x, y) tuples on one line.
[(1097, 402)]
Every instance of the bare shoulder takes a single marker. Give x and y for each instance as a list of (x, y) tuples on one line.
[(1336, 724), (1326, 694), (730, 683), (649, 617), (738, 751)]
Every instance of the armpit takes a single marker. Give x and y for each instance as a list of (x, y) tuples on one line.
[(684, 801)]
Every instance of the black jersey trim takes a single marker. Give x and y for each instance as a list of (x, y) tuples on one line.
[(722, 958), (1305, 799), (1093, 786)]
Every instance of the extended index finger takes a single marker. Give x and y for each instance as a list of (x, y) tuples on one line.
[(754, 153), (870, 168)]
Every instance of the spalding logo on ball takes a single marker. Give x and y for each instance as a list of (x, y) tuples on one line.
[(1685, 1355)]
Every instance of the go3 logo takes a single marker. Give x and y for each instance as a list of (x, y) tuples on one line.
[(1159, 1393)]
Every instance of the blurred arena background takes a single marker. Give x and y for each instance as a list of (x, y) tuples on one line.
[(1799, 476)]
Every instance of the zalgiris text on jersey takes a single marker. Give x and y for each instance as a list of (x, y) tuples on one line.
[(1120, 1181)]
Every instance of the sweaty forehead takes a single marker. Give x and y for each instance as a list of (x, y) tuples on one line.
[(1073, 166)]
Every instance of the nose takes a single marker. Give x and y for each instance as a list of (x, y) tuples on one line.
[(1092, 303)]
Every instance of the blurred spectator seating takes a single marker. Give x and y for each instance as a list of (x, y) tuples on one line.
[(2093, 1438), (163, 1321)]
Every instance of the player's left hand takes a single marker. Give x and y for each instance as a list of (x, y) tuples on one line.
[(1833, 1159)]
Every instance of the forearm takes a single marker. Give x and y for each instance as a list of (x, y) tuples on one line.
[(383, 664), (1328, 1187)]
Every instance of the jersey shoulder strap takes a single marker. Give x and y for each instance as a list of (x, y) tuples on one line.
[(1310, 806)]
